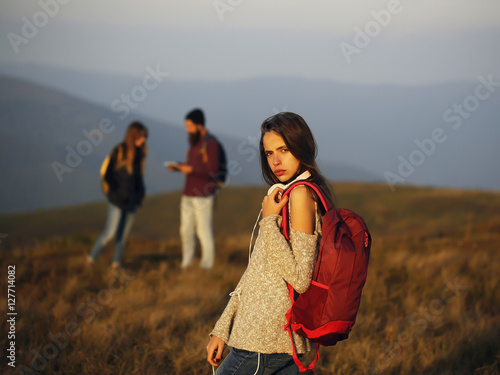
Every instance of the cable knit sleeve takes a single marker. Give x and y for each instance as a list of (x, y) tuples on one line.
[(223, 326), (293, 261)]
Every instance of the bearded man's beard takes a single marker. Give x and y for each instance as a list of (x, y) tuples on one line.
[(194, 138)]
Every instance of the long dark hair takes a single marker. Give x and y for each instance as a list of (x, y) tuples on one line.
[(301, 143), (134, 131)]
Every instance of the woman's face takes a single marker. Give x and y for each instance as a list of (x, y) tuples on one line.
[(281, 161), (140, 141)]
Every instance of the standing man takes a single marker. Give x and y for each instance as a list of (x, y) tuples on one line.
[(197, 200)]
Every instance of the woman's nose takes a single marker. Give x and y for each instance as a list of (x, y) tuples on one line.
[(276, 160)]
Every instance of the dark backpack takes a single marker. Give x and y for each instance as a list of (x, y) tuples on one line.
[(326, 312), (221, 176)]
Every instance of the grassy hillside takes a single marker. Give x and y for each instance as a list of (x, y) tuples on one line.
[(430, 304)]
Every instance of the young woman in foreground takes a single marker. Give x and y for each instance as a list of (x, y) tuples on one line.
[(254, 319)]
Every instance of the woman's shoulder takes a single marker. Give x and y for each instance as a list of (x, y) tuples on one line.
[(302, 209), (302, 194), (119, 148)]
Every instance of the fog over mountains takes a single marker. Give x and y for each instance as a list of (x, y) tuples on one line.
[(57, 125), (52, 146)]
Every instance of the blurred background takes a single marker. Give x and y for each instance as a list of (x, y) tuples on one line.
[(403, 98), (400, 92)]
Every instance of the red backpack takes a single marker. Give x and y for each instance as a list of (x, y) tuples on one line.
[(326, 312)]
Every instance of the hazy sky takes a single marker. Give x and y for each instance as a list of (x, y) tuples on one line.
[(369, 41)]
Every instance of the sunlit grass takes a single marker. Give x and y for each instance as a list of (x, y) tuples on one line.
[(430, 304)]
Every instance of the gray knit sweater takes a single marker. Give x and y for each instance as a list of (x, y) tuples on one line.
[(254, 319)]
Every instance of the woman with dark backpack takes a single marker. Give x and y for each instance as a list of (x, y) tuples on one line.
[(254, 319), (122, 181)]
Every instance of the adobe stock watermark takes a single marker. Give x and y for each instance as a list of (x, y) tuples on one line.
[(223, 6), (454, 116), (419, 322), (31, 26), (122, 106), (87, 311), (363, 37)]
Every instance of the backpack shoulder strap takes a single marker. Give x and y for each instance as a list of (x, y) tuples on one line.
[(204, 153), (286, 232)]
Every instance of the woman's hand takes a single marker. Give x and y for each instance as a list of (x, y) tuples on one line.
[(215, 348), (273, 204)]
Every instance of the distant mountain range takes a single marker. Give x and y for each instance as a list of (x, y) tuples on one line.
[(441, 135), (52, 145)]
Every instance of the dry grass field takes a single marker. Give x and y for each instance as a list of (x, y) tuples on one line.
[(430, 304)]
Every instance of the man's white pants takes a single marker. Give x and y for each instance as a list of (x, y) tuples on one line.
[(196, 218)]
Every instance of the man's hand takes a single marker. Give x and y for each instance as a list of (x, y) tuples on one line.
[(215, 348), (184, 168)]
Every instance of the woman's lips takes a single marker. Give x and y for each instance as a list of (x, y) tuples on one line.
[(279, 172)]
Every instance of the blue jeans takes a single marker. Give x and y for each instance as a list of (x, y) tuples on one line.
[(243, 362), (118, 225)]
